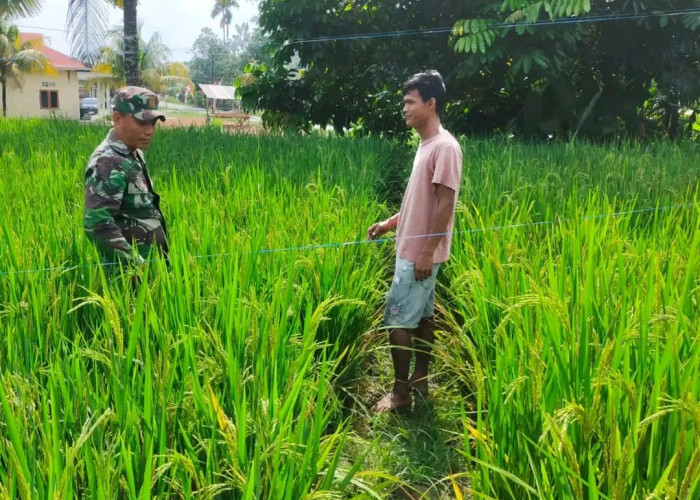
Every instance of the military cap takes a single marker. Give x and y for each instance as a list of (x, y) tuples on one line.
[(139, 102)]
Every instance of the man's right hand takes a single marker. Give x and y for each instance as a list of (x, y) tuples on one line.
[(377, 230)]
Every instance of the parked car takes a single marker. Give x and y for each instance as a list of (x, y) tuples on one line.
[(88, 107)]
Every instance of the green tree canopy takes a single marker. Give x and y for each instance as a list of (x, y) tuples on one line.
[(325, 71), (214, 60), (599, 67), (560, 67)]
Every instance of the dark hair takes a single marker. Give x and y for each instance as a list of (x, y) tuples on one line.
[(429, 84)]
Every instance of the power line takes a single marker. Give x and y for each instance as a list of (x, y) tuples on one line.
[(444, 30), (521, 24), (504, 25), (41, 28)]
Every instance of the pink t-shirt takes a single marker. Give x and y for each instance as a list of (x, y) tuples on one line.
[(438, 161)]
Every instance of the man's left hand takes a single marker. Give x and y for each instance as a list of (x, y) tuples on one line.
[(424, 267)]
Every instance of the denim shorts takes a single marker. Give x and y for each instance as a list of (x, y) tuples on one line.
[(409, 300)]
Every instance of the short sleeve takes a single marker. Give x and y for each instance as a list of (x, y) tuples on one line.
[(448, 166)]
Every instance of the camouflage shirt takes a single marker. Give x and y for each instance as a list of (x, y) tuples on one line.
[(121, 206)]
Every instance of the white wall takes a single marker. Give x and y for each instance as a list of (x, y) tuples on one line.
[(25, 102), (104, 101)]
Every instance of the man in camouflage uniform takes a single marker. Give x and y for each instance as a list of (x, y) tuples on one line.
[(121, 207)]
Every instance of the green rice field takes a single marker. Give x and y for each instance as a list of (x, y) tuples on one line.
[(567, 364)]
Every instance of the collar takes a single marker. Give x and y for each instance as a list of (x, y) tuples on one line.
[(116, 144)]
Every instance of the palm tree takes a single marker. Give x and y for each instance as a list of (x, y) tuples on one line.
[(152, 58), (86, 21), (223, 8), (17, 58), (19, 8), (89, 15), (80, 43), (131, 43)]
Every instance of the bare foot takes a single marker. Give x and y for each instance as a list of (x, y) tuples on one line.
[(419, 383), (392, 401)]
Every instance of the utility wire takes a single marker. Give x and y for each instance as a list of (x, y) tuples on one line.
[(444, 30), (318, 246)]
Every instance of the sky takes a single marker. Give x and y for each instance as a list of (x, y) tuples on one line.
[(179, 22)]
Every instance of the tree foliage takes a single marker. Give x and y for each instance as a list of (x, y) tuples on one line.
[(12, 9), (223, 8), (564, 67), (542, 68), (215, 60), (86, 21), (155, 71), (345, 79)]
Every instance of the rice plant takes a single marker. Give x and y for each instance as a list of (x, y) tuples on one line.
[(576, 341), (215, 377), (569, 357)]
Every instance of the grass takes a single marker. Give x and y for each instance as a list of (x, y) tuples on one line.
[(567, 366), (179, 113), (174, 100)]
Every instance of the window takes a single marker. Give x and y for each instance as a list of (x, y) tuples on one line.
[(49, 99)]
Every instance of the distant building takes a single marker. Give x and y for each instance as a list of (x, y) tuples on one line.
[(97, 85), (48, 95)]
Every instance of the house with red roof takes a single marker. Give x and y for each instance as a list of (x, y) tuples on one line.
[(48, 95)]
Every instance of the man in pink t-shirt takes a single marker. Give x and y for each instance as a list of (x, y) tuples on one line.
[(423, 237)]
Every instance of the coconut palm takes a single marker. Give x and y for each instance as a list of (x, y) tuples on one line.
[(131, 42), (86, 21), (153, 67), (17, 58), (223, 8), (19, 8)]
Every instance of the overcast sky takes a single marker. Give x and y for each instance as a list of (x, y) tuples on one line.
[(179, 22)]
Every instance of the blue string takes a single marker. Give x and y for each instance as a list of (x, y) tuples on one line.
[(318, 246)]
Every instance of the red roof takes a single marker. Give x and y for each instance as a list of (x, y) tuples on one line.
[(57, 59)]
